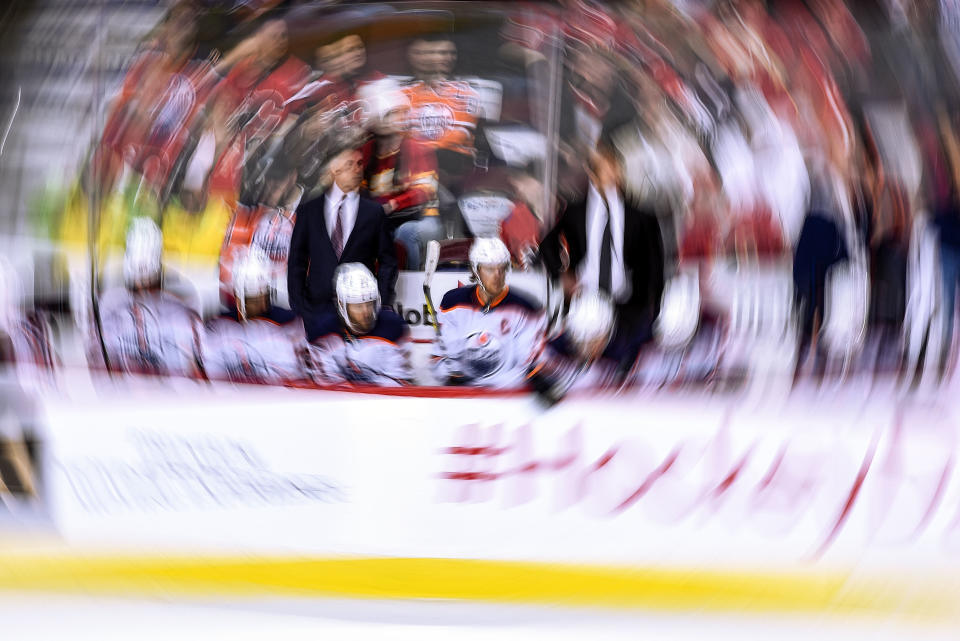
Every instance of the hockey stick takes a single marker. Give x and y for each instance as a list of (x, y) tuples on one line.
[(429, 267)]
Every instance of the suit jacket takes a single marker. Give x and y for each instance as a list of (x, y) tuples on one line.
[(642, 252), (312, 260)]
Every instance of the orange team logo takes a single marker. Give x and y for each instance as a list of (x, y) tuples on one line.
[(433, 120)]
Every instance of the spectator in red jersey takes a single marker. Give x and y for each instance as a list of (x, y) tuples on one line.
[(266, 80), (343, 60), (341, 64), (157, 92), (400, 172), (327, 106), (260, 76)]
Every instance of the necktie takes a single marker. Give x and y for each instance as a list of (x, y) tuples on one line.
[(336, 236), (606, 249)]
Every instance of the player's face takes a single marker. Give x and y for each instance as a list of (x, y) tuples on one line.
[(493, 278), (256, 305), (146, 284), (347, 170), (592, 349), (147, 278), (363, 316)]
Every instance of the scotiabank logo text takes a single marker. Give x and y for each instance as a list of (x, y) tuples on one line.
[(175, 473), (413, 315)]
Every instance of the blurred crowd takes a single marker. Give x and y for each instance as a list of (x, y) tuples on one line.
[(652, 159)]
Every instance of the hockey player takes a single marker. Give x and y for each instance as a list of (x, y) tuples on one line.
[(24, 346), (145, 329), (489, 336), (26, 338), (360, 342), (256, 342), (584, 355)]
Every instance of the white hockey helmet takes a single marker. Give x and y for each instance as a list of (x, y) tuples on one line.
[(355, 284), (142, 259), (680, 310), (251, 278), (590, 322), (488, 251)]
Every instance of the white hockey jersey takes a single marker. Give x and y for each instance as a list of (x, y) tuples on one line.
[(381, 357), (268, 350), (150, 332), (493, 346), (34, 361)]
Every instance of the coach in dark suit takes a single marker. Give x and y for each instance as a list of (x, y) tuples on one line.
[(338, 227), (611, 247)]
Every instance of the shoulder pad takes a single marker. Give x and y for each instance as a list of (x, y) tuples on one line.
[(232, 315), (325, 324), (459, 296), (519, 300), (390, 326), (280, 315), (561, 346)]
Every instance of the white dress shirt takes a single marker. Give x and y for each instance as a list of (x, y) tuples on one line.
[(589, 272), (334, 196)]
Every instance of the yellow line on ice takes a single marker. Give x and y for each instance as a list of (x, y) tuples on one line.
[(477, 580)]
